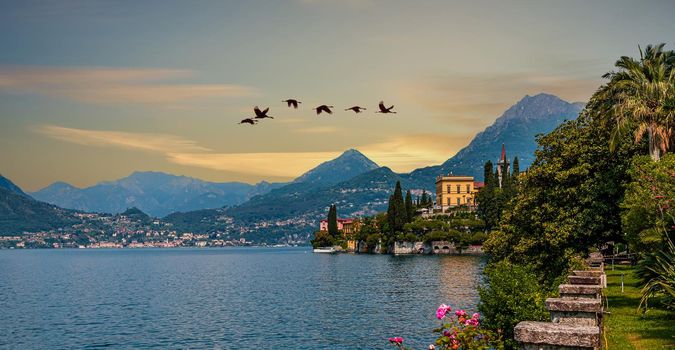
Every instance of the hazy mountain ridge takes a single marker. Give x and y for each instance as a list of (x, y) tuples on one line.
[(20, 213), (155, 193), (349, 164), (10, 186)]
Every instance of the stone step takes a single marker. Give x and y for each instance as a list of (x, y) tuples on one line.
[(540, 335), (584, 280), (574, 305), (576, 291), (588, 273), (581, 312)]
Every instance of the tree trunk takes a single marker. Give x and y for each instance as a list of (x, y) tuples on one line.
[(654, 150)]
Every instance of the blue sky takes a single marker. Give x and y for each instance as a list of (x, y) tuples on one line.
[(93, 90)]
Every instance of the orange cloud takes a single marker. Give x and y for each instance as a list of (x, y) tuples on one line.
[(113, 85), (140, 141)]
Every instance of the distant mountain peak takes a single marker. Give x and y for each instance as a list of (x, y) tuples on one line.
[(9, 185), (349, 164)]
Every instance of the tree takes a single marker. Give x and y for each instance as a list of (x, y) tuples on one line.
[(332, 222), (488, 179), (322, 239), (516, 168), (644, 99), (396, 212), (409, 209), (570, 198)]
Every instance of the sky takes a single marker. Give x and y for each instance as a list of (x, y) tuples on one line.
[(92, 90)]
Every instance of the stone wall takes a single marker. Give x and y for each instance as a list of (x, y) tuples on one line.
[(411, 248), (576, 316)]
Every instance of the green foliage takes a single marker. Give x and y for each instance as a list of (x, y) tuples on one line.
[(569, 199), (643, 99), (332, 222), (409, 209), (657, 275), (322, 239), (649, 209), (397, 215), (19, 213), (510, 294)]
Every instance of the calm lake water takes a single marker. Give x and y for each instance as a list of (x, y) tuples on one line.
[(231, 298)]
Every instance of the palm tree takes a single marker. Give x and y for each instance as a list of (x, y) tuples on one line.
[(643, 95)]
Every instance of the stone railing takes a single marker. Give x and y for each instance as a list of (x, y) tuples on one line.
[(576, 316)]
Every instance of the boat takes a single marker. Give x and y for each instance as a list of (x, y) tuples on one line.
[(325, 250)]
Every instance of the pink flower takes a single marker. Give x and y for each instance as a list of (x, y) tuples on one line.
[(460, 313), (432, 347), (396, 340), (442, 310), (475, 316)]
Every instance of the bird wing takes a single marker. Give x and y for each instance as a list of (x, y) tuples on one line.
[(381, 105), (266, 110), (328, 110), (257, 111)]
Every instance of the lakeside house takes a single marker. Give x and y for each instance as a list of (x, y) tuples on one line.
[(348, 227), (456, 190)]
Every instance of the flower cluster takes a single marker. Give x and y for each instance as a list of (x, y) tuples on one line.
[(460, 332)]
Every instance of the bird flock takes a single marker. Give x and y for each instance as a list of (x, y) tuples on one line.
[(292, 103)]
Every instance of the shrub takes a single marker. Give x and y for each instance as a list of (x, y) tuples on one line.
[(510, 294), (322, 239), (459, 331)]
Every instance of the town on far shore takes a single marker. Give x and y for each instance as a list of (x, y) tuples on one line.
[(445, 224)]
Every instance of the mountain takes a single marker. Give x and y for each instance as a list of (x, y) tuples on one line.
[(292, 212), (20, 213), (348, 165), (516, 128), (10, 186), (155, 193)]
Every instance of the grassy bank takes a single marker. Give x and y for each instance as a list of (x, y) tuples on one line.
[(626, 327)]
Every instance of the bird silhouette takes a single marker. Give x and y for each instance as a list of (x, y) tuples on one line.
[(261, 114), (356, 109), (292, 103), (384, 109), (249, 121), (324, 108)]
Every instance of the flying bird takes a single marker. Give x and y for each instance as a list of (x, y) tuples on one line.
[(356, 109), (324, 108), (249, 121), (384, 109), (292, 103), (261, 114)]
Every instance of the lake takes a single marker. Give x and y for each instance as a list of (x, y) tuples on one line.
[(229, 298)]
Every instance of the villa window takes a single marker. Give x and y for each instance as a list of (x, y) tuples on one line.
[(459, 190), (449, 201), (459, 201), (468, 188), (449, 188)]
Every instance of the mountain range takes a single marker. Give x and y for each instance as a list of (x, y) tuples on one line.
[(20, 213), (276, 211), (155, 193), (295, 209)]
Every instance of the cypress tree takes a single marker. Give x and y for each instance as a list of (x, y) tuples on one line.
[(399, 209), (332, 221), (391, 213), (487, 174), (516, 168), (410, 212)]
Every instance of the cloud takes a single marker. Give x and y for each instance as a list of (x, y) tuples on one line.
[(102, 85), (279, 164), (408, 152), (140, 141), (317, 130), (186, 152)]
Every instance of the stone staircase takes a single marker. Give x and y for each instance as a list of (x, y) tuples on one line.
[(576, 316)]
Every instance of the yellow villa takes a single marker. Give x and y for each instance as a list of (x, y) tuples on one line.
[(456, 190)]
